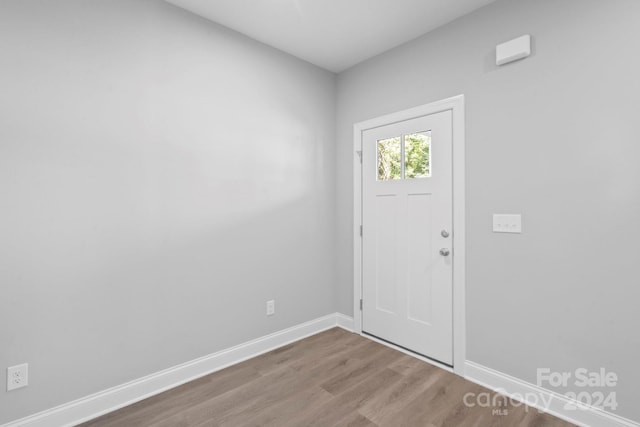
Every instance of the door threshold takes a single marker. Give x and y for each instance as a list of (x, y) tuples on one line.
[(434, 362)]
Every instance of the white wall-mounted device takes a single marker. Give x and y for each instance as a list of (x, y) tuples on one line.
[(513, 50)]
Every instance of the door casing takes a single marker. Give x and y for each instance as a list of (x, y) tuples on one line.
[(456, 106)]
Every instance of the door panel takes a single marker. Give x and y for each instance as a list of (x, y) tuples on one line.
[(407, 202), (419, 279), (385, 242)]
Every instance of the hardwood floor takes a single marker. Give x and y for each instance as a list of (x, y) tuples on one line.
[(335, 378)]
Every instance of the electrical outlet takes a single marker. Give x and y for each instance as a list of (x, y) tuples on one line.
[(271, 307), (17, 376)]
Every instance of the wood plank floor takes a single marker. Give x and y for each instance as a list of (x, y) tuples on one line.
[(335, 378)]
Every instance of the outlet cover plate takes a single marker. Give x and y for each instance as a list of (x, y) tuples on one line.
[(17, 376)]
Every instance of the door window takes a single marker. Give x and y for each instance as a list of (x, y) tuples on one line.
[(389, 155), (404, 157)]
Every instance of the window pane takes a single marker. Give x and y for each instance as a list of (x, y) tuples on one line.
[(417, 155), (389, 166)]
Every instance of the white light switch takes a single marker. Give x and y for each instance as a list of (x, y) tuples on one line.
[(507, 223)]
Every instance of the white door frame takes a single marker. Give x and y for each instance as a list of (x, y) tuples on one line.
[(456, 105)]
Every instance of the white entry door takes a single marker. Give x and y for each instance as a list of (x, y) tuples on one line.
[(407, 235)]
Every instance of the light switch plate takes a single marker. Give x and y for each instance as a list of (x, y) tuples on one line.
[(507, 223)]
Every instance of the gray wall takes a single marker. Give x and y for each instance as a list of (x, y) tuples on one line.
[(553, 137), (160, 178)]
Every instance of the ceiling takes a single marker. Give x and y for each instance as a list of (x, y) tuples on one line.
[(332, 34)]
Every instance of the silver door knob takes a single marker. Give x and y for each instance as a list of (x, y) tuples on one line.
[(444, 233), (444, 252)]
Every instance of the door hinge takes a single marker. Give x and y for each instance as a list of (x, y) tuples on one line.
[(360, 304), (359, 155), (361, 231)]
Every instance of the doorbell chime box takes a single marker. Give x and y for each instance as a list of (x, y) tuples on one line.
[(513, 50)]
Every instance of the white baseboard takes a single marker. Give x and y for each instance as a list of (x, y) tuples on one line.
[(100, 403), (540, 398), (345, 322)]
